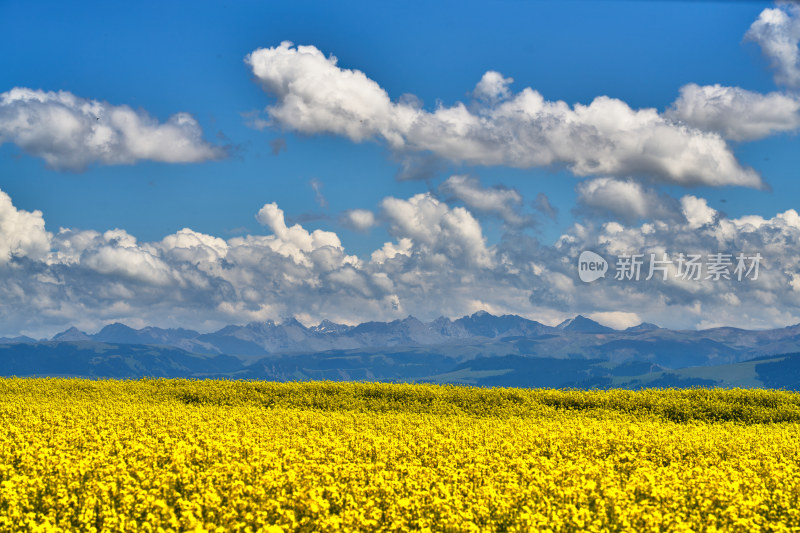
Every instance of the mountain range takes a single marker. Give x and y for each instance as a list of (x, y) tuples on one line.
[(480, 349)]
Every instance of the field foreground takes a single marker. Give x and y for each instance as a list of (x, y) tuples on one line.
[(181, 455)]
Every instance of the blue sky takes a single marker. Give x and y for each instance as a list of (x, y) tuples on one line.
[(156, 60)]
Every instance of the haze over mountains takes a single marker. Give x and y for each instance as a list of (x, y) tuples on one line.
[(478, 349)]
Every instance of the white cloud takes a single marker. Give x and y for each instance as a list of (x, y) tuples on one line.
[(295, 241), (625, 199), (777, 32), (765, 302), (735, 113), (438, 262), (499, 201), (441, 233), (358, 219), (354, 105), (22, 233), (70, 132), (520, 130), (493, 87), (391, 250), (191, 246), (129, 262), (697, 211)]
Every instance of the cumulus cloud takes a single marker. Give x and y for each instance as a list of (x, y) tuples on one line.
[(624, 199), (500, 201), (777, 32), (391, 250), (493, 87), (441, 233), (129, 262), (70, 132), (190, 246), (357, 219), (314, 95), (697, 211), (767, 301), (437, 262), (735, 113), (295, 242), (22, 233)]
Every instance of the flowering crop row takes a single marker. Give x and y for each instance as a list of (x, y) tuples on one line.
[(177, 455)]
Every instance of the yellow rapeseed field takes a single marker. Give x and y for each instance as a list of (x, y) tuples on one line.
[(181, 455)]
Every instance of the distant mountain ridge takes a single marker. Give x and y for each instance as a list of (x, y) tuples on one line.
[(264, 338), (479, 349), (579, 336)]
